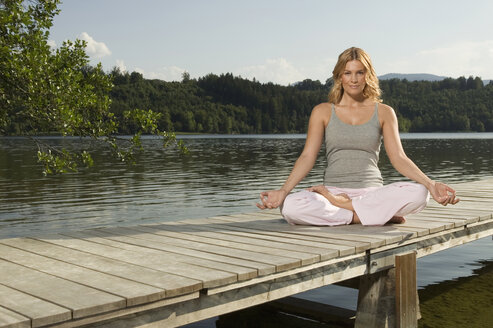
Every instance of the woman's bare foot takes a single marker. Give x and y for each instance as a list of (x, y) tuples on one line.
[(397, 219)]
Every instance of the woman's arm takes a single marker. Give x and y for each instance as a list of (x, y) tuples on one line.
[(304, 163), (442, 193)]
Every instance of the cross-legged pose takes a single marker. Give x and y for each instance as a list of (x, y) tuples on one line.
[(352, 125)]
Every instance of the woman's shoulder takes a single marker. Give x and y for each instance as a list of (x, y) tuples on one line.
[(385, 110), (321, 112), (322, 108), (386, 113)]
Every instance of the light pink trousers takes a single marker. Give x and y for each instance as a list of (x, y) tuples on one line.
[(373, 205)]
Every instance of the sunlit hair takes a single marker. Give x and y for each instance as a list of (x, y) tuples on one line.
[(372, 88)]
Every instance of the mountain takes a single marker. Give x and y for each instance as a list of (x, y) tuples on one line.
[(412, 77)]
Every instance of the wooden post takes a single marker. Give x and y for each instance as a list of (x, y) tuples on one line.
[(376, 300), (389, 298), (405, 291)]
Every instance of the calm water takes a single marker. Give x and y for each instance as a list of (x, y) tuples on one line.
[(222, 175)]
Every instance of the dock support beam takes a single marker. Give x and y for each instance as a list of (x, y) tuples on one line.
[(406, 301), (388, 298)]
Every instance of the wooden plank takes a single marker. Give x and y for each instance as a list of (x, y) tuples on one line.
[(442, 225), (324, 235), (283, 239), (249, 239), (99, 320), (138, 245), (387, 233), (444, 239), (464, 219), (9, 319), (343, 266), (344, 247), (446, 222), (35, 310), (302, 257), (472, 212), (247, 242), (324, 232), (454, 223), (281, 263), (182, 252), (418, 231), (460, 237), (173, 284), (475, 210), (89, 301), (432, 227), (209, 277), (134, 293), (405, 291)]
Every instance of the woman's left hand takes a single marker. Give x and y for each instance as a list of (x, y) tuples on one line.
[(443, 194)]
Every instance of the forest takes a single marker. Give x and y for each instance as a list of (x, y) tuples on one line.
[(230, 104)]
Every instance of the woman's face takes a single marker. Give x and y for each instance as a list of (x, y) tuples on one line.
[(353, 78)]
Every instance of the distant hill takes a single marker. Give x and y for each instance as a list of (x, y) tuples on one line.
[(417, 77), (412, 77)]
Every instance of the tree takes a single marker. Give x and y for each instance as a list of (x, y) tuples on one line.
[(46, 91)]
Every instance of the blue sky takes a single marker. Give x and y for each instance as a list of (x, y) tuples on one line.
[(280, 41)]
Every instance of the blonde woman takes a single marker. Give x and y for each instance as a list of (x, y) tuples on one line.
[(352, 125)]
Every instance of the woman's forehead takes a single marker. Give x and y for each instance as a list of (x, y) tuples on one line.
[(354, 65)]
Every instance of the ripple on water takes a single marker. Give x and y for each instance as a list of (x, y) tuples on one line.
[(221, 176)]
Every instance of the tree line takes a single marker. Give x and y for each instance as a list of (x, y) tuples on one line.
[(231, 104)]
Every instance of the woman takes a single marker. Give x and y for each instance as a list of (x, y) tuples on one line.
[(354, 122)]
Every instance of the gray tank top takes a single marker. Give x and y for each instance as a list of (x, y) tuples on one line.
[(352, 153)]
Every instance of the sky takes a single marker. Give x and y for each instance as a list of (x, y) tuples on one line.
[(280, 41)]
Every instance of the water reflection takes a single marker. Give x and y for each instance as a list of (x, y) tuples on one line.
[(220, 176)]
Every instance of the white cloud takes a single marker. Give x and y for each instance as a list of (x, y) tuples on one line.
[(459, 59), (167, 73), (52, 44), (121, 65), (277, 70), (94, 48)]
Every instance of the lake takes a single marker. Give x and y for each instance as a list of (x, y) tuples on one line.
[(221, 175)]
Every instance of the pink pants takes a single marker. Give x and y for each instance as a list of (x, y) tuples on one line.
[(374, 205)]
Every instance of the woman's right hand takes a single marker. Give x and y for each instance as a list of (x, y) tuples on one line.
[(272, 198)]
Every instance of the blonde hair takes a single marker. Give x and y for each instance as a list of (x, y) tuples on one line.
[(372, 88)]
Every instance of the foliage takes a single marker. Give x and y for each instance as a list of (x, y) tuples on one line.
[(55, 91), (217, 104), (229, 104), (448, 105)]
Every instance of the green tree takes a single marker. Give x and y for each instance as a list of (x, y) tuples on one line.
[(46, 91)]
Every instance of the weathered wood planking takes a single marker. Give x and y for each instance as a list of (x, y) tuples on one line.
[(152, 274)]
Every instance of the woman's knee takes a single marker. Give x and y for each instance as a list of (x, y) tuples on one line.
[(286, 206), (289, 209), (417, 200), (297, 206), (421, 195)]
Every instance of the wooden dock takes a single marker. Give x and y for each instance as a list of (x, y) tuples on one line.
[(174, 273)]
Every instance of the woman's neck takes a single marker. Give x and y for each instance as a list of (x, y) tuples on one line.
[(359, 101)]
